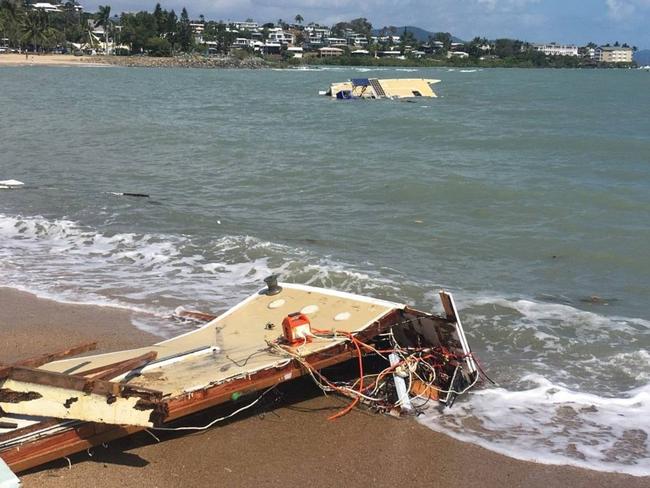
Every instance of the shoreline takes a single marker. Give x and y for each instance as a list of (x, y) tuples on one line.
[(184, 61), (233, 62), (63, 60), (260, 447)]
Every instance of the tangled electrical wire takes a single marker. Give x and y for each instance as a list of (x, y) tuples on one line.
[(430, 374)]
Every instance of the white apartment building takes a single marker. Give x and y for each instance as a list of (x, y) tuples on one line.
[(356, 39), (553, 49), (336, 41), (320, 32), (242, 42), (394, 39), (198, 28), (56, 7), (246, 25), (278, 35), (295, 52)]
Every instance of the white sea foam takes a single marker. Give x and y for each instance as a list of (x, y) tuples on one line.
[(549, 423), (153, 274), (574, 385), (365, 70), (583, 324)]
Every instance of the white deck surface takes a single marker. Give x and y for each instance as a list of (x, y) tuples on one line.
[(235, 344)]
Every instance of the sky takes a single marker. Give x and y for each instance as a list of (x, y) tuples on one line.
[(564, 21)]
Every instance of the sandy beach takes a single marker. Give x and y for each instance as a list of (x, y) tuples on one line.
[(49, 60), (286, 442), (181, 61)]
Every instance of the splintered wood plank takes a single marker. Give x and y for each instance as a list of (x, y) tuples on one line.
[(448, 305), (55, 356), (114, 370)]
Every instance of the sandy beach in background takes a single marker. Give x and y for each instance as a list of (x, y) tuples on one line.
[(49, 60), (181, 61), (287, 442)]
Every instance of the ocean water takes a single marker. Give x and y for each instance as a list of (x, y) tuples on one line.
[(524, 192)]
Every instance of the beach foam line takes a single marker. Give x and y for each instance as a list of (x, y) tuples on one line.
[(551, 424), (574, 385), (527, 313), (152, 274)]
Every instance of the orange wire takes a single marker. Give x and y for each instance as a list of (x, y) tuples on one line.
[(356, 400), (358, 344)]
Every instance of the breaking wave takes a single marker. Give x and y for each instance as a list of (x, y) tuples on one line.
[(573, 386), (549, 423), (152, 274)]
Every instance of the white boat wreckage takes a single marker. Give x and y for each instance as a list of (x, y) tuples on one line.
[(10, 184), (373, 88), (54, 405)]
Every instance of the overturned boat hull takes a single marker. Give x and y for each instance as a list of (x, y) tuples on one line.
[(373, 88)]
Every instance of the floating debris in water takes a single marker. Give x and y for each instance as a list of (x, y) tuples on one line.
[(10, 184), (128, 194), (596, 300)]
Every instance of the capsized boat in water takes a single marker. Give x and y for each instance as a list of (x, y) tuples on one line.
[(54, 405), (373, 88)]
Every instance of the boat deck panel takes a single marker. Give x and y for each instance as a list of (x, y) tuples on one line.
[(236, 343)]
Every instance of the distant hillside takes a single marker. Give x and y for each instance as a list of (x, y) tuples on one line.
[(419, 34), (642, 58)]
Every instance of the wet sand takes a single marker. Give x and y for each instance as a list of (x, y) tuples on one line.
[(287, 441)]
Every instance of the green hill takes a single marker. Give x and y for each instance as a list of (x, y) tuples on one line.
[(642, 58), (421, 35)]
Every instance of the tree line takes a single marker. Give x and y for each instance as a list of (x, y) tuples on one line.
[(24, 27), (158, 33)]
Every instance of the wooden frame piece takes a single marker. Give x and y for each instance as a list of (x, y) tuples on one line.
[(114, 370)]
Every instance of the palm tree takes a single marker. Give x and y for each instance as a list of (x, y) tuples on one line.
[(30, 30), (10, 17), (104, 21), (36, 30), (11, 9), (298, 18), (3, 24)]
